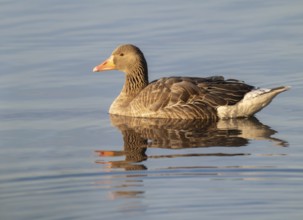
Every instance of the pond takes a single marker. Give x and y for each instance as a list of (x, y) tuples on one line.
[(64, 157)]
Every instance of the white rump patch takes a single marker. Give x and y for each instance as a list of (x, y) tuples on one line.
[(254, 93), (252, 102)]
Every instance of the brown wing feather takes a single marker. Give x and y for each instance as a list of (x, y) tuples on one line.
[(184, 97)]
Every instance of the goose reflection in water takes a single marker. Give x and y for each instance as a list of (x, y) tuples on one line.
[(142, 133)]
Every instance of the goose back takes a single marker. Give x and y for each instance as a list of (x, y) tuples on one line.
[(187, 97)]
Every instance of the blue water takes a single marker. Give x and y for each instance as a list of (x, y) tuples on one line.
[(63, 157)]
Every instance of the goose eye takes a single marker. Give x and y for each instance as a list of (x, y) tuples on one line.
[(121, 54)]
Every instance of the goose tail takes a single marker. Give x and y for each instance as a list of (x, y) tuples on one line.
[(253, 102)]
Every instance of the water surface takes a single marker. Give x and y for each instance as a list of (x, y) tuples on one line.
[(63, 157)]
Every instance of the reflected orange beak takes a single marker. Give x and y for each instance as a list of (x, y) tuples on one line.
[(108, 153), (106, 65)]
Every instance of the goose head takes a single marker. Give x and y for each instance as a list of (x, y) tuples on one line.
[(126, 58)]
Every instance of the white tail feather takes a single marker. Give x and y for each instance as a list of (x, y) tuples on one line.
[(252, 102)]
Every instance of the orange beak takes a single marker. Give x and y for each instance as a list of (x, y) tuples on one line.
[(108, 153), (106, 65)]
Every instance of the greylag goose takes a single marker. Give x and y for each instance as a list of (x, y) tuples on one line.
[(180, 97)]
